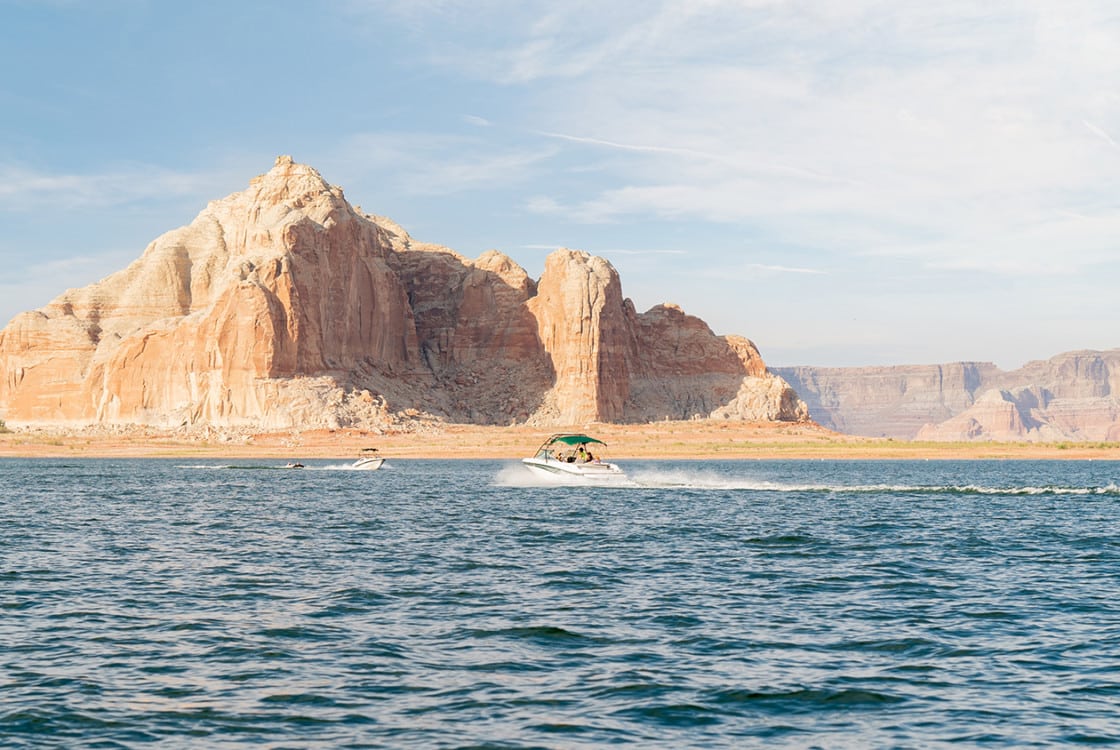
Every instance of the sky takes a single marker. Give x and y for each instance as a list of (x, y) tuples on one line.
[(844, 182)]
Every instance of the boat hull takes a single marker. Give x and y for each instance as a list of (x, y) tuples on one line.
[(564, 472), (368, 464)]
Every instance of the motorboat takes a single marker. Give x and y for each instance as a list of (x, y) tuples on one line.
[(369, 460), (294, 465), (572, 458)]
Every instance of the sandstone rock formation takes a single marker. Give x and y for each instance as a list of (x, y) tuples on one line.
[(887, 401), (283, 306), (1072, 396)]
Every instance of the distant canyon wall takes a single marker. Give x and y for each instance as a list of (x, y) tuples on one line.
[(283, 306), (1072, 396)]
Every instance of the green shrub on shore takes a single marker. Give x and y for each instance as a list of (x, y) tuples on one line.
[(3, 427)]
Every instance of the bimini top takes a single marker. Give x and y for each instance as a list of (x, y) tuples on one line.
[(572, 439)]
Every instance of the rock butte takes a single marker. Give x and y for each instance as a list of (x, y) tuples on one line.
[(283, 306)]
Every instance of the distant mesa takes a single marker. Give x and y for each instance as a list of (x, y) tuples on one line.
[(283, 306), (1069, 397)]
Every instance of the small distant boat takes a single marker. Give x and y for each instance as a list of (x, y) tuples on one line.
[(571, 457), (369, 460), (294, 465)]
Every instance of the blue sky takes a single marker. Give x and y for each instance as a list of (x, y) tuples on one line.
[(845, 183)]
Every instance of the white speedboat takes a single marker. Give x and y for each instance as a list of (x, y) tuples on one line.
[(572, 458), (368, 460)]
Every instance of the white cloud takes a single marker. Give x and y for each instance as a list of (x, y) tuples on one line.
[(772, 269), (640, 251), (438, 164), (477, 121), (29, 287), (939, 131), (23, 188), (629, 146), (1099, 132)]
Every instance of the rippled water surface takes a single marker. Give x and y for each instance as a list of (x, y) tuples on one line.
[(444, 604)]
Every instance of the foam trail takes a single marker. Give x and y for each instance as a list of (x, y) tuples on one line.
[(516, 475), (348, 467), (281, 467), (701, 480)]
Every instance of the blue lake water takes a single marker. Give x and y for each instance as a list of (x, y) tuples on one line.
[(453, 604)]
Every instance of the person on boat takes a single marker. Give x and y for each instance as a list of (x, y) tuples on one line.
[(581, 454)]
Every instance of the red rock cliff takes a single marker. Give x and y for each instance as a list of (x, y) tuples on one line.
[(283, 306)]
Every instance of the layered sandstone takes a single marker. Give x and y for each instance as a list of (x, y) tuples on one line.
[(1072, 396), (891, 401), (284, 306)]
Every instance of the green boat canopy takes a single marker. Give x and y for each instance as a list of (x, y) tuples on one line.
[(574, 439)]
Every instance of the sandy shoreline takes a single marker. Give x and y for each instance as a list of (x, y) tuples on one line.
[(668, 440)]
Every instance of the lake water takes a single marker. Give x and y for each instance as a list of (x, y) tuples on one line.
[(452, 604)]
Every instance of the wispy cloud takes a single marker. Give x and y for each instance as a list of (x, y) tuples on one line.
[(628, 146), (477, 121), (440, 164), (930, 130), (1099, 132), (641, 251), (31, 286), (23, 188), (765, 268)]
